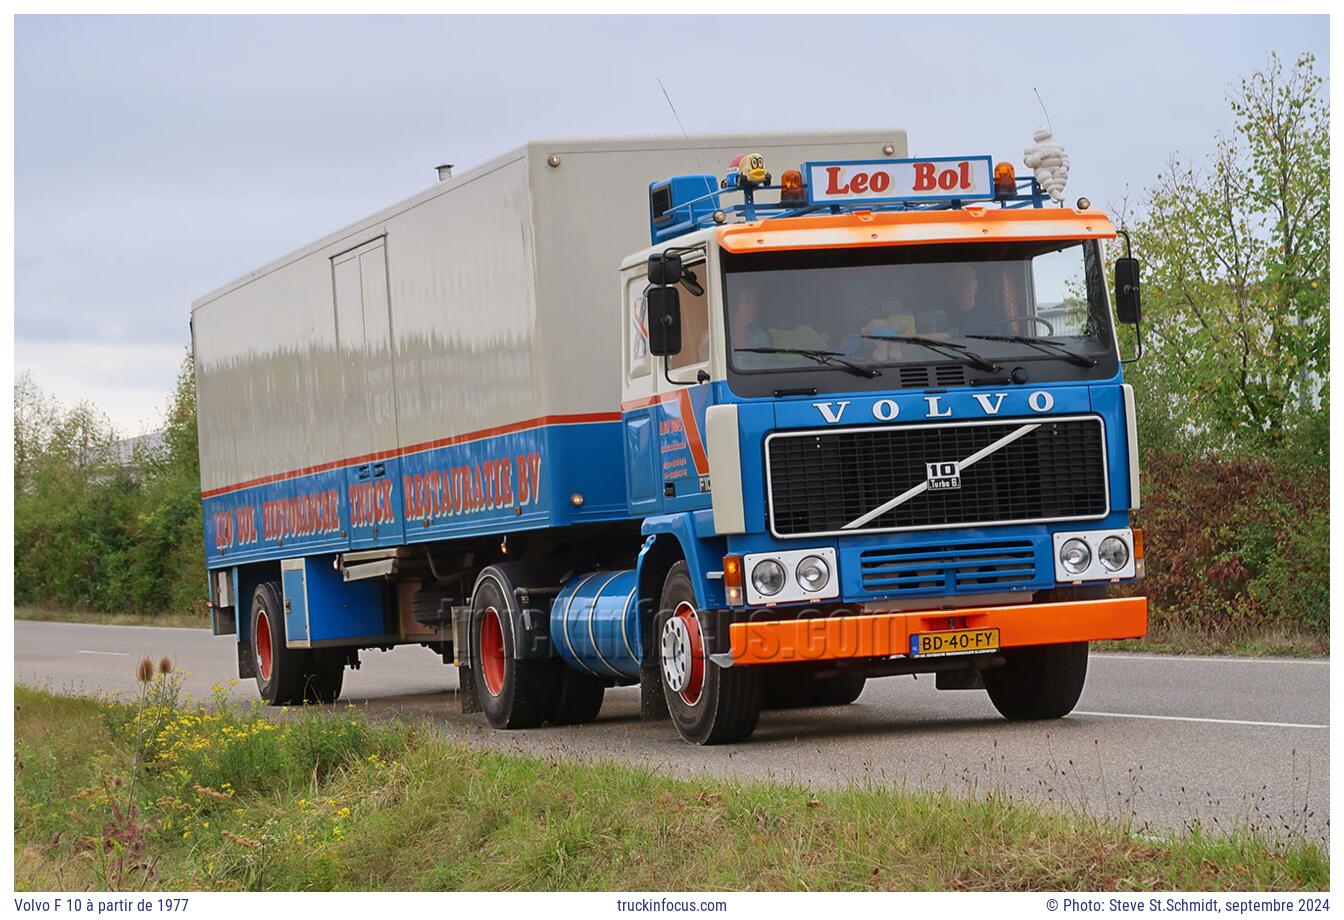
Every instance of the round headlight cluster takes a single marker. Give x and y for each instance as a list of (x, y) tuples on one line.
[(767, 577), (813, 573), (1113, 553), (1075, 556)]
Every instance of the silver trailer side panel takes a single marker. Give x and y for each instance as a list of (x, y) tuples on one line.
[(487, 303)]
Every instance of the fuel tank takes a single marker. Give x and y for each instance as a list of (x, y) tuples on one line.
[(595, 624)]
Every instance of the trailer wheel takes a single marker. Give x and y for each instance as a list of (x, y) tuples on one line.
[(513, 693), (1038, 682), (790, 687), (578, 697), (708, 704), (289, 676)]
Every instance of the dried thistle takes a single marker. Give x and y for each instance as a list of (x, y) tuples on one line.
[(165, 665), (145, 672)]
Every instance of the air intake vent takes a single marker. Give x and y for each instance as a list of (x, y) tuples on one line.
[(949, 375), (967, 568)]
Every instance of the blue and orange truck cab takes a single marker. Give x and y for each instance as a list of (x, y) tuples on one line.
[(921, 455)]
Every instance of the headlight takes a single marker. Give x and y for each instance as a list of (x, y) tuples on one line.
[(768, 577), (1113, 553), (1075, 557), (813, 573)]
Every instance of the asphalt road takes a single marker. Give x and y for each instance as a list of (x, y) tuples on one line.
[(1165, 741)]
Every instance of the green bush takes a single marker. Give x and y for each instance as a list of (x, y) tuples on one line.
[(1235, 544)]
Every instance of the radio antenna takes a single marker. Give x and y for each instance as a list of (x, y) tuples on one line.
[(686, 136), (1047, 114)]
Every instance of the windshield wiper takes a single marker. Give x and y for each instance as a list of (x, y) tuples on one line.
[(957, 351), (1045, 345), (831, 358)]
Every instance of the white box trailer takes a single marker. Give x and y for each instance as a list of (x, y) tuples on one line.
[(481, 315)]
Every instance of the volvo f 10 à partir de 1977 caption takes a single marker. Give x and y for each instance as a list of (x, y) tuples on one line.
[(867, 420)]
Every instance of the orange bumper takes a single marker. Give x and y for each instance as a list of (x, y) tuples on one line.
[(881, 635)]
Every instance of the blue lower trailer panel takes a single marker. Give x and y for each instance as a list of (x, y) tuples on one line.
[(323, 609)]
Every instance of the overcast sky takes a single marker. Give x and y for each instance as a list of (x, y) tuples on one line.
[(160, 157)]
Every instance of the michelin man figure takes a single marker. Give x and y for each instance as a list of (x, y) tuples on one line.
[(1049, 162)]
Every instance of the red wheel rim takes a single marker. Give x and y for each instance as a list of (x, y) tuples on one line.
[(263, 643), (492, 651), (695, 683)]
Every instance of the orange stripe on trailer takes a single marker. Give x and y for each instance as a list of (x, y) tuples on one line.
[(907, 228), (881, 635)]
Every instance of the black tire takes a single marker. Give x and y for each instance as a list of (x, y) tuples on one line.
[(1038, 682), (716, 705), (327, 676), (289, 676), (513, 693), (578, 697), (796, 687)]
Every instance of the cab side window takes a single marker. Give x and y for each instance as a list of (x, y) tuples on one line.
[(694, 326), (637, 329)]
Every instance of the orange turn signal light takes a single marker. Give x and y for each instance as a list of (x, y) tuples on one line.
[(1138, 543), (1005, 180), (732, 571)]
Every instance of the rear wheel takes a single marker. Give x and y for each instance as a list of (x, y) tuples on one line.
[(289, 676), (514, 693), (578, 697), (708, 704), (1038, 682)]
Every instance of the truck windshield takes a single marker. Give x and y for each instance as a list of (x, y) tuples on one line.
[(1040, 303)]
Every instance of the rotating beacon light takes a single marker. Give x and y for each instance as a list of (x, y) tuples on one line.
[(791, 191)]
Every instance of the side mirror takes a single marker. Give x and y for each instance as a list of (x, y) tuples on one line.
[(664, 268), (1127, 306), (664, 320)]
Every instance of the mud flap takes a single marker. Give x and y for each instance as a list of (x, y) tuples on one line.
[(247, 661)]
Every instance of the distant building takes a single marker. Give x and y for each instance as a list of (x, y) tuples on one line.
[(1066, 318), (128, 450)]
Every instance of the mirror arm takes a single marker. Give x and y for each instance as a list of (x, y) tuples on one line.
[(700, 376)]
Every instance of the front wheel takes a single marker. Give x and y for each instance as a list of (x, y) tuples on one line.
[(1038, 682), (708, 704)]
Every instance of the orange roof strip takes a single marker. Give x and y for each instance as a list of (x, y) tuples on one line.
[(884, 634), (905, 228)]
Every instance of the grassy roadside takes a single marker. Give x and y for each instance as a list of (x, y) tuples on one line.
[(230, 800), (201, 621), (1176, 640)]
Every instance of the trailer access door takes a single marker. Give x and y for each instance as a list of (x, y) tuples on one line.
[(368, 396)]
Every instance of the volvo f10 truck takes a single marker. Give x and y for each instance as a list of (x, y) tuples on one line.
[(743, 421)]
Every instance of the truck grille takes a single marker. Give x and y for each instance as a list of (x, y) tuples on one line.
[(822, 480), (965, 568)]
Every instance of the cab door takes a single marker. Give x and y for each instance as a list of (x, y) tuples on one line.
[(368, 395), (683, 393), (638, 406)]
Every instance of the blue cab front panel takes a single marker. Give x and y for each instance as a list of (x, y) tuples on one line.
[(323, 609), (921, 565)]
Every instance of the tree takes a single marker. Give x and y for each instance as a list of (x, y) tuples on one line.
[(1236, 271)]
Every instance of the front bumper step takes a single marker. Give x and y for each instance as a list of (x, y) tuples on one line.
[(882, 635)]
